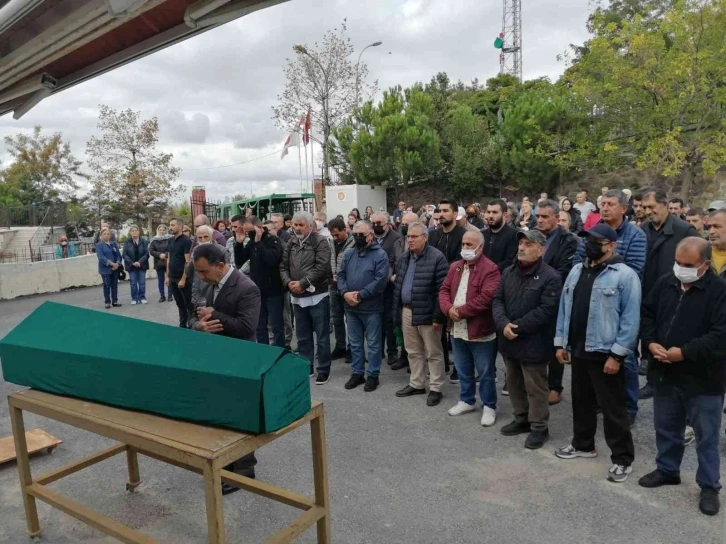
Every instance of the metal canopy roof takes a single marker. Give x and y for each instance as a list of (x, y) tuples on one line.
[(47, 46)]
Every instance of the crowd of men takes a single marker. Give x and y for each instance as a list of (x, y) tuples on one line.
[(631, 284)]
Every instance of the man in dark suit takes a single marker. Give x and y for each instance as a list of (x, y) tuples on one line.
[(663, 231), (233, 309)]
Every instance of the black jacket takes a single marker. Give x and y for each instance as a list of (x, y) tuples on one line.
[(308, 262), (388, 244), (501, 247), (157, 246), (237, 307), (265, 257), (529, 299), (662, 252), (694, 321), (561, 253), (451, 248), (575, 220), (429, 276)]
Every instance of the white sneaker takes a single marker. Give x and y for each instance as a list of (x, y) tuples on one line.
[(144, 301), (489, 417), (461, 408), (133, 303)]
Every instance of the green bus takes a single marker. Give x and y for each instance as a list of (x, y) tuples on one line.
[(263, 206)]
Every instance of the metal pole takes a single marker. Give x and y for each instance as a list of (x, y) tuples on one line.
[(357, 70)]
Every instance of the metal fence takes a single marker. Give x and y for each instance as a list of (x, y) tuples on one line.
[(34, 215), (43, 253)]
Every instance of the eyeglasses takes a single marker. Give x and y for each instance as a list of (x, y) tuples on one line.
[(413, 236)]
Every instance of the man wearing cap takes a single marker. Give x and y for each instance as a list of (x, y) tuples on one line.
[(463, 220), (525, 312), (717, 205), (597, 328), (560, 249), (663, 231)]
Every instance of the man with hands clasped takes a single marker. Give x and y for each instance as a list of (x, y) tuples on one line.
[(597, 328), (684, 330)]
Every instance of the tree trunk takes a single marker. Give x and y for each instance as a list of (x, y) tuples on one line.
[(688, 175)]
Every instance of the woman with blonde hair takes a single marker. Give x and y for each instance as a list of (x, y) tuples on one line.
[(109, 266), (158, 249), (136, 258)]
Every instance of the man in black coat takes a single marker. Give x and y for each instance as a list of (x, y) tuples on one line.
[(500, 239), (232, 310), (664, 232), (387, 238), (264, 253), (560, 250), (683, 328), (525, 312), (447, 239)]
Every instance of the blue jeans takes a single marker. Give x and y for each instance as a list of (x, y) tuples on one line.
[(160, 277), (314, 319), (632, 386), (137, 278), (366, 325), (271, 309), (482, 356), (110, 287), (672, 404)]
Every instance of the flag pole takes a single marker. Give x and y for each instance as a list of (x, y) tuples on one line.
[(299, 162)]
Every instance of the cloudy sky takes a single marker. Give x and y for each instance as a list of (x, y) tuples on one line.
[(213, 93)]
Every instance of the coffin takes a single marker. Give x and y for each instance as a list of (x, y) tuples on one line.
[(136, 364)]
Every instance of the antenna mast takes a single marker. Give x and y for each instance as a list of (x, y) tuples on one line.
[(510, 58)]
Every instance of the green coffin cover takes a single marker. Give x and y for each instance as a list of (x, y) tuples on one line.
[(166, 370)]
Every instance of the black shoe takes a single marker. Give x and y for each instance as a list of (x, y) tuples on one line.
[(116, 304), (162, 298), (170, 298), (355, 381), (454, 378), (312, 371), (658, 479), (409, 391), (322, 378), (643, 367), (392, 359), (536, 439), (229, 488), (338, 353), (371, 383), (646, 392), (348, 357), (434, 398), (108, 306), (709, 503), (401, 362), (514, 428)]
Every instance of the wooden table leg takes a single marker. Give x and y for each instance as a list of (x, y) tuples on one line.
[(21, 451), (133, 462), (215, 508), (320, 475)]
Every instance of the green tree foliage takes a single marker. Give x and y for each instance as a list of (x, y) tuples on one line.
[(43, 169), (655, 91), (393, 142)]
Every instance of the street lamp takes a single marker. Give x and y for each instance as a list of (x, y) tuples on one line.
[(357, 70)]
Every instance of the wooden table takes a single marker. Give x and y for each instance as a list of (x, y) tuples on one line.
[(204, 450)]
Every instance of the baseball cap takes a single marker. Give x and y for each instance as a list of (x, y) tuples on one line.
[(717, 205), (533, 235), (602, 231), (460, 214)]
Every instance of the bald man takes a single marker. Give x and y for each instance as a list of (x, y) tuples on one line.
[(399, 248), (683, 329), (202, 219)]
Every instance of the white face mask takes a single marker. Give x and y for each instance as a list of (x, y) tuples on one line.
[(320, 224), (468, 254), (685, 275)]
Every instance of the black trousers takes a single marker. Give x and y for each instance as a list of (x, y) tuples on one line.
[(244, 466), (183, 299), (389, 339), (556, 373), (591, 388)]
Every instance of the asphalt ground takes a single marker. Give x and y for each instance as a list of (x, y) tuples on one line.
[(399, 472)]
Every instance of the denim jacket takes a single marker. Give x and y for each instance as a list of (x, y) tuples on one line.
[(614, 318)]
